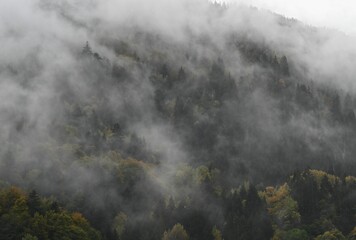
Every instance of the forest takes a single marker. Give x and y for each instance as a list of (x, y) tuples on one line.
[(176, 130)]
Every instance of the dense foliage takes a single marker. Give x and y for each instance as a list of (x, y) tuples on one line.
[(163, 138), (310, 205), (29, 217)]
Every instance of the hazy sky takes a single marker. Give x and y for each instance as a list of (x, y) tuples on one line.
[(337, 14)]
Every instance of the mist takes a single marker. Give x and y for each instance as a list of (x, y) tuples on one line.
[(103, 102), (324, 14)]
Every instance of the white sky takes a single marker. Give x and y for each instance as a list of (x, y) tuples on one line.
[(337, 14)]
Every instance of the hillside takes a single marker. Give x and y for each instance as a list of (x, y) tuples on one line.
[(176, 126)]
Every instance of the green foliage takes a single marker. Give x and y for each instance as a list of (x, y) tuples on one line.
[(352, 235), (28, 217), (246, 215), (296, 234), (232, 123), (282, 206), (132, 170), (331, 235), (29, 237), (216, 233), (119, 224), (176, 233), (292, 234)]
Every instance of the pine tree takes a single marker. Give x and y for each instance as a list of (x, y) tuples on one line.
[(284, 67), (34, 203), (87, 50)]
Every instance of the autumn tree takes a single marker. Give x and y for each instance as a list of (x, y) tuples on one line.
[(176, 233)]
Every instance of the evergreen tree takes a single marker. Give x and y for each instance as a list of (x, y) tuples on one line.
[(284, 67), (87, 50)]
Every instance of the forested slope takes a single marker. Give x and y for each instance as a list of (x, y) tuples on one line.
[(241, 126)]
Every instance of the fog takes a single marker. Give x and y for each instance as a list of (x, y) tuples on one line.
[(59, 109), (325, 14)]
